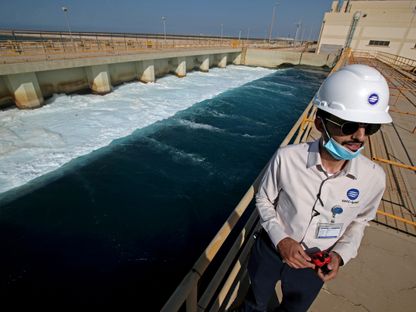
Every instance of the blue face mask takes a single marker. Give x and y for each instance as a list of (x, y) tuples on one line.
[(338, 151)]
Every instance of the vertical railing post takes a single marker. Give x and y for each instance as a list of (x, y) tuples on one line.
[(192, 300), (97, 44), (43, 46), (62, 42)]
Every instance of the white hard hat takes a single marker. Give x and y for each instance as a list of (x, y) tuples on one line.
[(356, 93)]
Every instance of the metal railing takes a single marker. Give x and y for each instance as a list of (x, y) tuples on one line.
[(397, 210), (25, 51), (406, 90), (34, 46), (396, 61)]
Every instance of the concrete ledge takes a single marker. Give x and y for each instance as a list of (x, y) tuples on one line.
[(274, 58)]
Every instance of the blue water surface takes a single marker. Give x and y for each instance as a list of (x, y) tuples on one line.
[(124, 224)]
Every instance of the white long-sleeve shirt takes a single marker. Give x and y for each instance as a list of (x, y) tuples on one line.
[(288, 203)]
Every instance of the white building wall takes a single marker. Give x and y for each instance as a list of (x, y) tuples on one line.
[(382, 20), (382, 33)]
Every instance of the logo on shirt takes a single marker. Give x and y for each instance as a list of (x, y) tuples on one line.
[(353, 194), (373, 99)]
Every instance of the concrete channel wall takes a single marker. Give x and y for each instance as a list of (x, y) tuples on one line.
[(28, 84), (274, 58)]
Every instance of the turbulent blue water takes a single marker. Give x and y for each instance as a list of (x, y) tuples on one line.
[(125, 223)]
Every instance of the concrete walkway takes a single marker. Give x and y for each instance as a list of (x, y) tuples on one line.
[(382, 277)]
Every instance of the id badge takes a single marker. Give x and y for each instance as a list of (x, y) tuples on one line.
[(328, 230)]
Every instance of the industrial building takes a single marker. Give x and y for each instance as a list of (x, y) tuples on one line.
[(372, 25)]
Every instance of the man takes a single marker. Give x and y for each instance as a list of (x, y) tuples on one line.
[(319, 196)]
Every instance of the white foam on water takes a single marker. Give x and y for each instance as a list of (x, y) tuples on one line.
[(196, 125), (35, 142)]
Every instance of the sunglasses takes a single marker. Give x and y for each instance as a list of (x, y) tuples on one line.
[(349, 127)]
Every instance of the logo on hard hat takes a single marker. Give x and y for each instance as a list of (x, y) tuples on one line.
[(373, 99)]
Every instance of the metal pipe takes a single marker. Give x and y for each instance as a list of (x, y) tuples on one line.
[(355, 20), (394, 163)]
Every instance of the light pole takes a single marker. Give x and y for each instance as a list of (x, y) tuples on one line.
[(164, 27), (65, 10), (303, 35), (298, 26), (310, 34), (272, 23)]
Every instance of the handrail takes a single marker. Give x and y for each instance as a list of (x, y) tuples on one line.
[(402, 63), (24, 46), (190, 281), (24, 51), (394, 163), (187, 289)]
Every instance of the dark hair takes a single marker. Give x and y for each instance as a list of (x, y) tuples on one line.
[(322, 114)]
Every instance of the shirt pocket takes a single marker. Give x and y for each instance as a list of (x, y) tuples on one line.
[(286, 208)]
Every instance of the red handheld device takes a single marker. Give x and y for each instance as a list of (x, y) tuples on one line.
[(321, 260)]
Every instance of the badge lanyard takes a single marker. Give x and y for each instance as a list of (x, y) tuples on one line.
[(325, 230), (314, 212)]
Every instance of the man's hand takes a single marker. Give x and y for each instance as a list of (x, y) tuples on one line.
[(293, 254), (333, 266)]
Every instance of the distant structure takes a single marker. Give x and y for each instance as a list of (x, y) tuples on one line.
[(372, 25)]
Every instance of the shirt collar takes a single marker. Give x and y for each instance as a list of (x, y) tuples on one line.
[(351, 168), (314, 160)]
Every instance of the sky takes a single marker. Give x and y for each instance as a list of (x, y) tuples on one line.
[(191, 17)]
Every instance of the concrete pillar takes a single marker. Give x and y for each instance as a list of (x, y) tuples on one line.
[(25, 90), (181, 69), (237, 60), (99, 78), (146, 71), (223, 61), (204, 67)]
